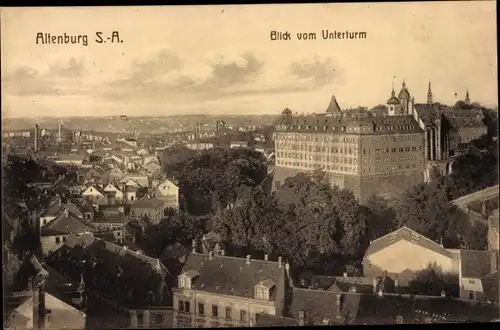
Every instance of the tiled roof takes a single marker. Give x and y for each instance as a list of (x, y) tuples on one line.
[(73, 209), (64, 224), (174, 251), (148, 203), (361, 284), (373, 309), (231, 275), (476, 264), (333, 106), (405, 233), (138, 270), (321, 123), (53, 209), (70, 157), (109, 217)]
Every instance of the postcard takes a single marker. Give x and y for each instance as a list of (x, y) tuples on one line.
[(250, 165)]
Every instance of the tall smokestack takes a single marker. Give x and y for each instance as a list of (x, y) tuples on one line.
[(59, 127), (36, 137)]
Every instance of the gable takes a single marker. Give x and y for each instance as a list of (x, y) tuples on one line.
[(403, 254), (92, 191), (51, 302)]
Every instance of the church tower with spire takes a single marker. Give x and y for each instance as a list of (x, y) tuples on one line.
[(404, 99), (429, 95), (393, 103), (467, 98)]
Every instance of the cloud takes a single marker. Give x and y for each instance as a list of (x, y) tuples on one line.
[(27, 81), (321, 72), (165, 77), (62, 78)]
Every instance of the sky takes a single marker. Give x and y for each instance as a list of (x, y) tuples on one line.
[(221, 59)]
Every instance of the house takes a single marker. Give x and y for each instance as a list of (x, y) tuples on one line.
[(318, 307), (44, 299), (85, 208), (54, 233), (116, 173), (130, 194), (147, 206), (168, 192), (70, 159), (218, 290), (493, 230), (94, 173), (474, 267), (140, 295), (239, 144), (152, 167), (96, 195), (147, 159), (111, 223), (135, 180), (390, 253), (118, 196)]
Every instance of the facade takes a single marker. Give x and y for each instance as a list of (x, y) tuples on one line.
[(148, 206), (367, 154), (96, 195), (217, 290), (476, 266), (118, 194), (390, 253), (168, 192), (493, 229), (54, 234)]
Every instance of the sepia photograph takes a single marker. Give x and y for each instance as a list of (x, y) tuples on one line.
[(277, 165)]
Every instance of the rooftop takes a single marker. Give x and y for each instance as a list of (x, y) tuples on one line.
[(148, 202), (231, 275), (405, 233), (64, 224)]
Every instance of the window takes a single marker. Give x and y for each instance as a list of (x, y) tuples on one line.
[(64, 238), (182, 307), (187, 307), (214, 310), (58, 239), (158, 319), (201, 308), (44, 221), (399, 319), (472, 295), (140, 319), (182, 282), (228, 313), (472, 282), (243, 315)]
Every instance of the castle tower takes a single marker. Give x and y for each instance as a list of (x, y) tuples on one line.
[(392, 102), (429, 94), (467, 98), (404, 99)]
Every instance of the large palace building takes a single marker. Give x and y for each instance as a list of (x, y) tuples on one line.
[(370, 154)]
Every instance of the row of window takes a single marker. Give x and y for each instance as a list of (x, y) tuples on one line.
[(393, 150), (324, 149), (348, 169), (345, 150), (185, 306), (318, 158), (58, 239), (317, 138)]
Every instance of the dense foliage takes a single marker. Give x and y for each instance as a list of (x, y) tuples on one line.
[(210, 179), (433, 281), (306, 221)]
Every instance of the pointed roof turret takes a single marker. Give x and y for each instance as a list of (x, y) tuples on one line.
[(429, 94), (467, 98), (333, 106), (404, 94), (393, 99)]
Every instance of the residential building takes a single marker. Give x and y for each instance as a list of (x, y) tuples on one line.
[(148, 206), (96, 195), (43, 299), (118, 194), (390, 252), (140, 295), (474, 267), (53, 234), (493, 230), (70, 159), (110, 224), (238, 144), (200, 146), (168, 191), (218, 290), (135, 180)]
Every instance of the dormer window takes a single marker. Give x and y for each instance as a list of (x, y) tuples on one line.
[(186, 279), (263, 289)]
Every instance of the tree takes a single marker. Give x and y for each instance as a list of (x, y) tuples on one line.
[(433, 281), (476, 237), (379, 217)]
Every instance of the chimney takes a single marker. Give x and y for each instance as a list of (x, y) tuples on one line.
[(193, 244), (266, 257), (287, 266), (302, 318), (59, 200), (66, 213), (337, 305), (30, 283), (210, 255), (248, 259), (279, 262), (222, 252), (374, 285), (38, 306), (396, 285), (345, 274)]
